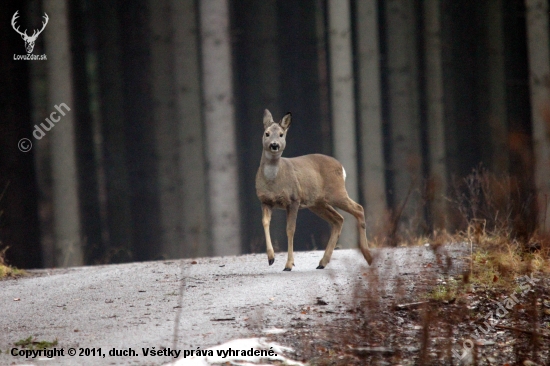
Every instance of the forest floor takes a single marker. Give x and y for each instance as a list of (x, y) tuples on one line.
[(412, 306)]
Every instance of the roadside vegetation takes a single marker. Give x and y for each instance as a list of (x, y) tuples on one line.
[(489, 307), (7, 271)]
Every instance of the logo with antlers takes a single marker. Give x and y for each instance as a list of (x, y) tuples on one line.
[(29, 40)]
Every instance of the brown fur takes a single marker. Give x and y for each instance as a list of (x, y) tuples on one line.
[(314, 181)]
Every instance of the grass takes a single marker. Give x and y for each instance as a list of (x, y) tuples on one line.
[(32, 343), (494, 216), (7, 271)]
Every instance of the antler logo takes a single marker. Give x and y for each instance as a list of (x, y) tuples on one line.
[(29, 41)]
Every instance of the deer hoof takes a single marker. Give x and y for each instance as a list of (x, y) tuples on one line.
[(320, 267), (271, 261), (287, 269)]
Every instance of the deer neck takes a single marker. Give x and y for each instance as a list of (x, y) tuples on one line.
[(270, 165)]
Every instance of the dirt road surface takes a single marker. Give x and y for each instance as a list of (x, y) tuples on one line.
[(136, 306)]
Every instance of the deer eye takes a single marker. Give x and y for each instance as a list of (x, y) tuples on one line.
[(267, 134), (281, 135)]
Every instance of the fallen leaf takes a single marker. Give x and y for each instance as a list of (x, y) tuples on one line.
[(17, 299), (194, 262)]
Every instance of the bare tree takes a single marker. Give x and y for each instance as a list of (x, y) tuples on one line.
[(492, 91), (260, 78), (190, 128), (68, 241), (167, 142), (539, 68), (114, 143), (373, 179), (221, 149), (343, 104), (404, 109), (435, 111)]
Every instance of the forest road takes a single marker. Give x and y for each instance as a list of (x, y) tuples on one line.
[(126, 309)]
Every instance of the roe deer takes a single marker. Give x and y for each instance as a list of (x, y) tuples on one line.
[(314, 181)]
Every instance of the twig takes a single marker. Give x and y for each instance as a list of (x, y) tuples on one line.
[(522, 330)]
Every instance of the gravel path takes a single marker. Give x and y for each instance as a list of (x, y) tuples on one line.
[(132, 307)]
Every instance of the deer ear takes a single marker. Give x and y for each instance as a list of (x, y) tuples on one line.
[(268, 119), (285, 122)]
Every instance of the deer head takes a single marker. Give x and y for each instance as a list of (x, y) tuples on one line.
[(274, 140), (29, 40)]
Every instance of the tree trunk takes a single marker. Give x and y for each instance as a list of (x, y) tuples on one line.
[(221, 149), (373, 177), (190, 129), (492, 91), (114, 142), (539, 68), (140, 137), (260, 81), (86, 131), (323, 77), (435, 108), (343, 106), (404, 116), (19, 226), (63, 147), (165, 125)]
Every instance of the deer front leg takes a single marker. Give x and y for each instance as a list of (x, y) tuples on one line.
[(291, 214), (266, 220)]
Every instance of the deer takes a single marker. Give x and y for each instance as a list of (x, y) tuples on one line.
[(29, 41), (314, 181)]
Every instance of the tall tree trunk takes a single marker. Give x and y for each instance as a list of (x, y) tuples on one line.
[(539, 68), (404, 113), (141, 144), (260, 81), (111, 107), (323, 77), (298, 28), (435, 113), (492, 91), (63, 147), (221, 149), (343, 105), (86, 131), (190, 129), (373, 174), (19, 227), (165, 124)]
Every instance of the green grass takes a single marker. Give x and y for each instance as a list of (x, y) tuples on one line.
[(31, 343)]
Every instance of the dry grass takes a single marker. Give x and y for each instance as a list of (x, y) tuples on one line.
[(7, 271), (496, 220)]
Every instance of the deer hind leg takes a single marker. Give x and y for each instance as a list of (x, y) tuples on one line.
[(266, 220), (352, 207), (291, 214), (328, 213)]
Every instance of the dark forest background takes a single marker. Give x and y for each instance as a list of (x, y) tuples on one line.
[(158, 154)]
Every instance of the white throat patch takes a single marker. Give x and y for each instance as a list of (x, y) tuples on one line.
[(270, 171)]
